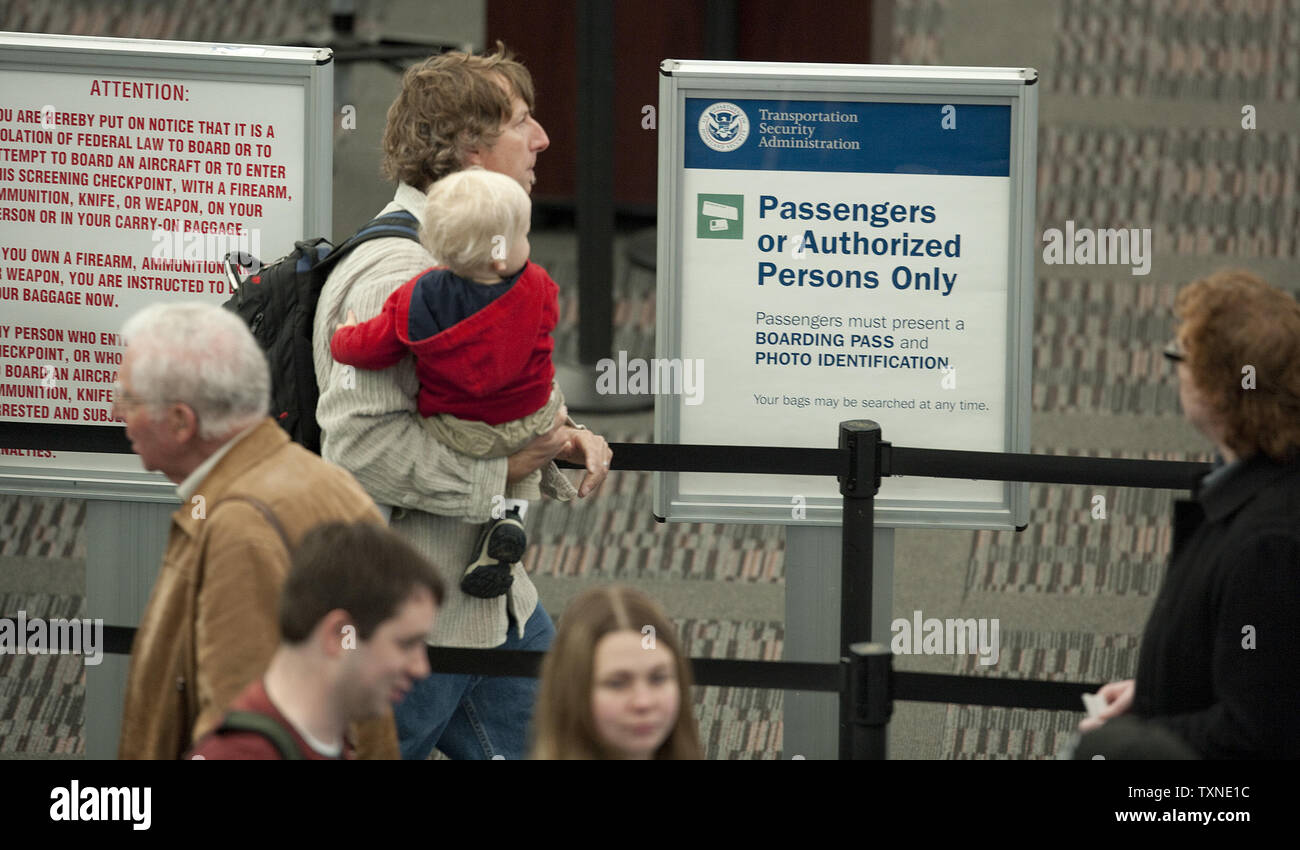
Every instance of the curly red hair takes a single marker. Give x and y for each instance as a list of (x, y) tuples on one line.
[(1232, 320)]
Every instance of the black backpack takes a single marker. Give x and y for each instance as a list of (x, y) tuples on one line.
[(278, 303)]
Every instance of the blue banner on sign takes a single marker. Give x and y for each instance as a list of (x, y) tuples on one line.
[(836, 135)]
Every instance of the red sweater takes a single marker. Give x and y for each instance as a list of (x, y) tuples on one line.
[(494, 366), (250, 745)]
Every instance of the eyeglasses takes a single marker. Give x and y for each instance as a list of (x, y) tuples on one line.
[(122, 398)]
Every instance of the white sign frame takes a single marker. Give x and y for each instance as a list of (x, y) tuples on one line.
[(102, 475), (730, 81)]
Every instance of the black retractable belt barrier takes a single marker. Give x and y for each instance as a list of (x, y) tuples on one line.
[(762, 460), (988, 690), (712, 672), (1045, 469), (900, 460), (864, 678), (118, 639)]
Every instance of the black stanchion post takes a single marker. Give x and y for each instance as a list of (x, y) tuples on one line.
[(858, 486), (871, 668)]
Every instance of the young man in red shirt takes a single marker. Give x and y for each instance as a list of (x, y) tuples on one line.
[(354, 613)]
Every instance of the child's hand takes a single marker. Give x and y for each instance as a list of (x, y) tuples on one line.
[(352, 320)]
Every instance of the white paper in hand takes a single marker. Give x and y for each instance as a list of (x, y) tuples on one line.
[(1093, 704)]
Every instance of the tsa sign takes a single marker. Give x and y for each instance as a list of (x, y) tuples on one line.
[(871, 282), (846, 242)]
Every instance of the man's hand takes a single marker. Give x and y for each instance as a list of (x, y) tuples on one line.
[(591, 451), (540, 451), (1118, 697), (576, 445)]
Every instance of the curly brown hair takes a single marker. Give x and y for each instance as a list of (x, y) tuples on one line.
[(1233, 319), (450, 104)]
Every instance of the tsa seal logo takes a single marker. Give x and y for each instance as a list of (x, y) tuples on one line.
[(724, 126)]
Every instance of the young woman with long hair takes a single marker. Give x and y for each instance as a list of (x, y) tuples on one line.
[(615, 684)]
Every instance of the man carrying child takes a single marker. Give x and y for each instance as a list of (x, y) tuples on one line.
[(454, 111)]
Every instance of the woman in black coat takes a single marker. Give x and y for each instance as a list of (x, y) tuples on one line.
[(1220, 658)]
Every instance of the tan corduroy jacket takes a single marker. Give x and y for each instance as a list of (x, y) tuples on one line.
[(212, 624)]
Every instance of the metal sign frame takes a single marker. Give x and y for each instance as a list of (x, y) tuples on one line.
[(732, 81), (113, 476)]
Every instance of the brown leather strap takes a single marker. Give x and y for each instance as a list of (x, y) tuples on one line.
[(267, 514)]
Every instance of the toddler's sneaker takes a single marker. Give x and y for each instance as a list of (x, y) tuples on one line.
[(500, 545)]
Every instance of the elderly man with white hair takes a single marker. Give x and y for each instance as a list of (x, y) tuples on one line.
[(194, 389)]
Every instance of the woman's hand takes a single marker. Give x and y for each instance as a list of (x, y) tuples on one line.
[(1118, 697)]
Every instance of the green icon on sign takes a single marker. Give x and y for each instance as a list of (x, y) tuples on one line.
[(720, 217)]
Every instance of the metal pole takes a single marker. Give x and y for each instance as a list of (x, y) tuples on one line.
[(595, 39), (859, 485), (595, 212), (871, 668), (720, 27)]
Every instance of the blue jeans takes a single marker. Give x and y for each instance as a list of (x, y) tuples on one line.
[(474, 717)]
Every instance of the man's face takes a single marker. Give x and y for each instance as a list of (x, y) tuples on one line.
[(146, 426), (515, 151), (381, 670)]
